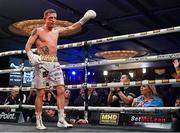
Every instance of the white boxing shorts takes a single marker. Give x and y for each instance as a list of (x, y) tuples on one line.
[(48, 73)]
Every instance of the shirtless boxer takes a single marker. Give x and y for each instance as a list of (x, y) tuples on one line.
[(47, 68)]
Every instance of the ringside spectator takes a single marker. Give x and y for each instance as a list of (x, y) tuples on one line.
[(148, 97)]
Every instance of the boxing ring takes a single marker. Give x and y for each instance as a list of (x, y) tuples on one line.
[(30, 127)]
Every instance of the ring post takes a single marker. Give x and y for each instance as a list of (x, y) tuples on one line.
[(86, 46)]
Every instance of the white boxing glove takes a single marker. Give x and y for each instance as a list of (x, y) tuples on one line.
[(90, 14), (33, 58)]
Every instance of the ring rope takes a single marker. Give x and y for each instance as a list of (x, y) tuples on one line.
[(124, 61), (25, 69), (121, 37), (107, 85), (9, 106), (105, 62), (104, 40), (7, 89), (120, 84), (99, 108), (135, 109)]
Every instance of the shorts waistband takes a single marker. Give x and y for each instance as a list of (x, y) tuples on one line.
[(49, 58)]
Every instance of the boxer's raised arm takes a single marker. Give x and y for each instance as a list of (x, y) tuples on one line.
[(76, 27)]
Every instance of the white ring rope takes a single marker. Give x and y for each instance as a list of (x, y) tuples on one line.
[(9, 106), (107, 85), (123, 61), (134, 109), (105, 62), (25, 69), (100, 108), (132, 83), (7, 89), (104, 40), (121, 37)]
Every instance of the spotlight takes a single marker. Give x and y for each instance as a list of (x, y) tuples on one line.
[(105, 73), (73, 73), (89, 73), (144, 70)]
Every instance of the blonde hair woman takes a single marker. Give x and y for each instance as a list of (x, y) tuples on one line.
[(148, 97)]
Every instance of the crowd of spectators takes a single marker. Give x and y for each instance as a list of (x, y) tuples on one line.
[(127, 96)]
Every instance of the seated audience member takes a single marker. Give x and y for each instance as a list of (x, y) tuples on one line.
[(113, 99), (30, 100), (176, 64), (31, 97), (1, 98), (49, 115), (161, 73), (67, 95), (72, 116), (102, 96), (13, 98), (165, 92), (122, 96), (80, 100), (49, 100), (68, 102), (176, 116), (177, 102), (93, 99), (148, 97)]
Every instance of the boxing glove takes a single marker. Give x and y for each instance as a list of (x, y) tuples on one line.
[(33, 58), (90, 14)]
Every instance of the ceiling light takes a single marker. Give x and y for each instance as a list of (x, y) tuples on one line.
[(25, 27), (120, 54)]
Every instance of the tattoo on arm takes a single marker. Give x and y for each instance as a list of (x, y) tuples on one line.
[(34, 32), (45, 50)]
